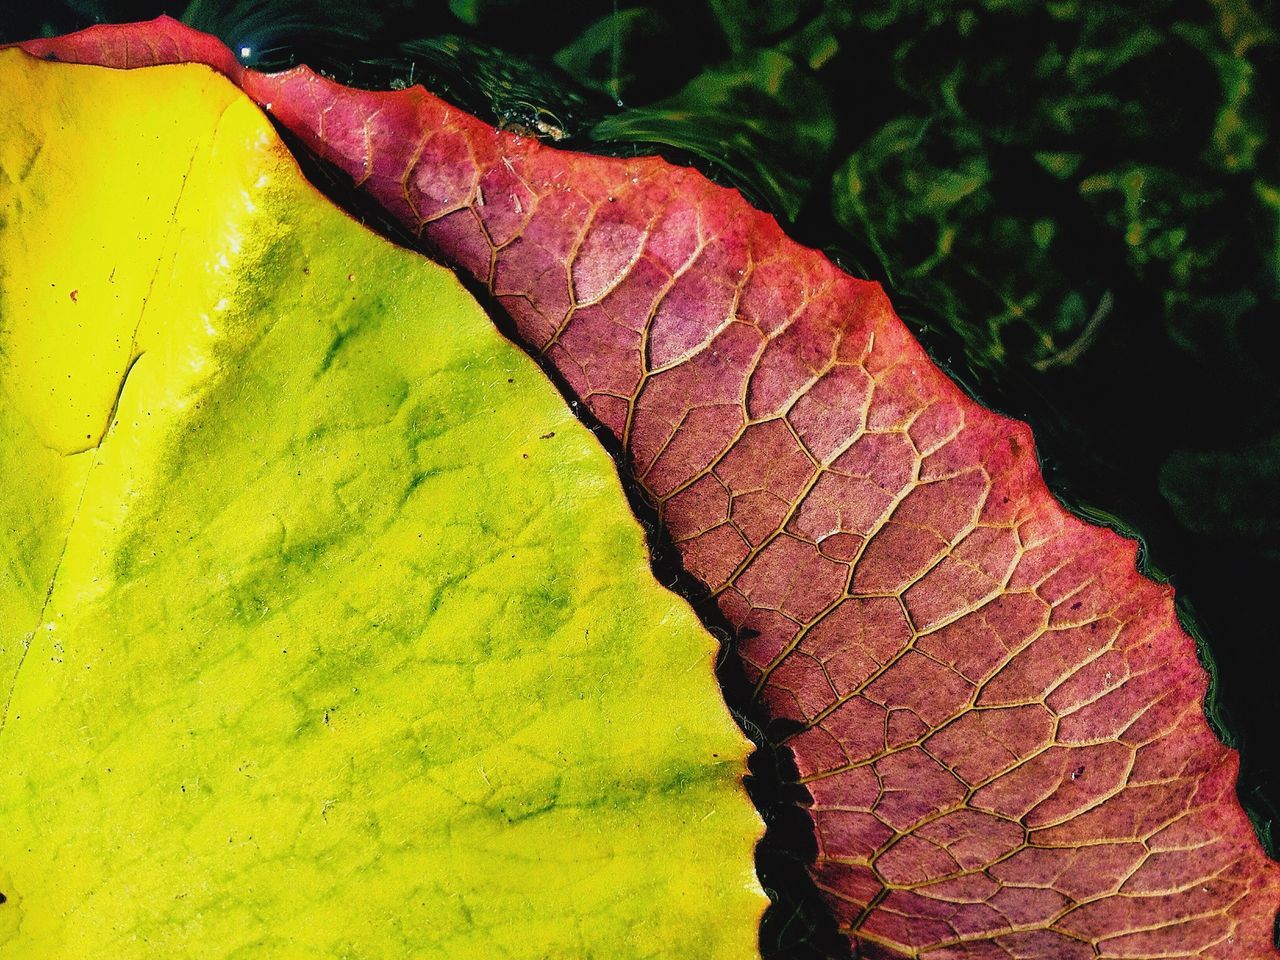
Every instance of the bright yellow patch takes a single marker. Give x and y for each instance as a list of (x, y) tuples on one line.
[(328, 629)]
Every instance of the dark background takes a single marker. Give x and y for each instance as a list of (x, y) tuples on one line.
[(1076, 205)]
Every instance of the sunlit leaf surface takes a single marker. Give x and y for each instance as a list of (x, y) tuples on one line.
[(326, 628)]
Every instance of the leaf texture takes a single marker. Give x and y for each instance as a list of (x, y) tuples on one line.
[(327, 630), (998, 718)]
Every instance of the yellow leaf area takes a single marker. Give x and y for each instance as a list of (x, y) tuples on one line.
[(330, 632)]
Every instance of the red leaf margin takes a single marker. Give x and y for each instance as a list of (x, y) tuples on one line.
[(1001, 720)]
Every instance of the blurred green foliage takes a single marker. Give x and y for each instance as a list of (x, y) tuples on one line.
[(1136, 129)]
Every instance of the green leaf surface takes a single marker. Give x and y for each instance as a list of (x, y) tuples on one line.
[(326, 628)]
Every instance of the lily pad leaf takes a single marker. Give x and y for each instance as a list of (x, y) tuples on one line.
[(327, 630), (999, 719)]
